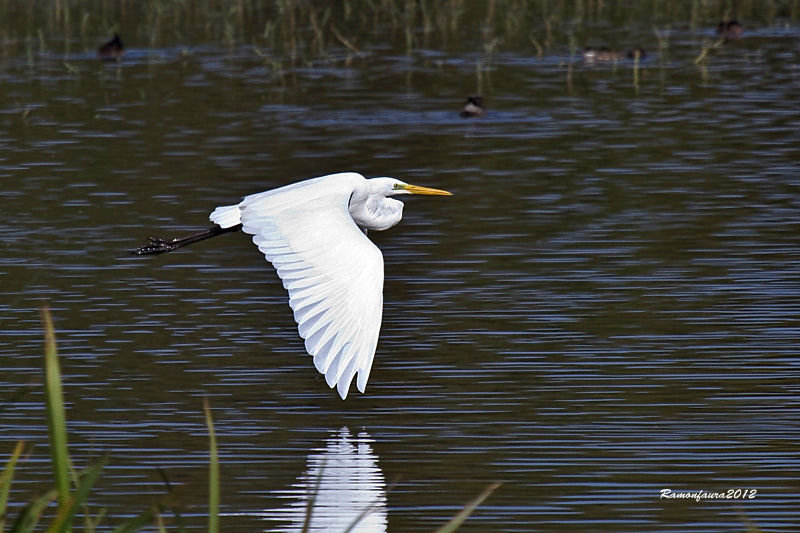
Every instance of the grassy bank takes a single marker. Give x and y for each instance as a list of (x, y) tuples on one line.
[(295, 28)]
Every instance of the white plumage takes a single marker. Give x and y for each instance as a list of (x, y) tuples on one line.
[(313, 234)]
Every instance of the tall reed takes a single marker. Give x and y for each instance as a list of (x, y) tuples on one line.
[(213, 474), (56, 420)]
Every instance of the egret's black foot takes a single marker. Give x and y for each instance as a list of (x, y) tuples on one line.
[(155, 246)]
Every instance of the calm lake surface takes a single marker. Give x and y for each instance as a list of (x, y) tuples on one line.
[(608, 306)]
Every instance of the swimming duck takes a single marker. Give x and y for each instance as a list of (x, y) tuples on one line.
[(637, 53), (730, 30), (112, 50), (606, 55), (602, 54), (473, 108)]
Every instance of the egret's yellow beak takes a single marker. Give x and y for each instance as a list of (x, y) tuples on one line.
[(416, 189)]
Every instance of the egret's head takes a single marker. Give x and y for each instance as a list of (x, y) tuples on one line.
[(391, 187)]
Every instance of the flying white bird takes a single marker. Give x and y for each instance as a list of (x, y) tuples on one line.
[(314, 234)]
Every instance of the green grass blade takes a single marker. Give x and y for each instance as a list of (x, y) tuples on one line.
[(140, 522), (6, 477), (91, 524), (213, 474), (172, 501), (160, 523), (66, 514), (312, 498), (459, 519), (371, 508), (153, 515), (56, 421), (31, 513)]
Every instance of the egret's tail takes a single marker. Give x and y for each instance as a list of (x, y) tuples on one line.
[(227, 216)]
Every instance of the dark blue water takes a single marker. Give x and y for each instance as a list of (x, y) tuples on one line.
[(606, 308)]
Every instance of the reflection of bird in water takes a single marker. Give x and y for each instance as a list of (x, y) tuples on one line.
[(343, 489), (473, 108), (606, 55), (730, 30), (314, 234), (112, 50)]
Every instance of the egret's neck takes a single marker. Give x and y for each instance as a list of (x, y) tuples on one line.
[(375, 212)]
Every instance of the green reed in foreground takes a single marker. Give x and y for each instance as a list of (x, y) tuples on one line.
[(72, 489), (213, 474)]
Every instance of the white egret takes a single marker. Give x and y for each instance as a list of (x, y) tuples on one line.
[(314, 234)]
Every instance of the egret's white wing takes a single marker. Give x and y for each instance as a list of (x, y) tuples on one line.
[(333, 272)]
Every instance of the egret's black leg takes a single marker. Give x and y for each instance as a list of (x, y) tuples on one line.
[(157, 246)]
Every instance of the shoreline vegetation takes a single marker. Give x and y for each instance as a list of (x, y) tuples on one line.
[(68, 502), (294, 29)]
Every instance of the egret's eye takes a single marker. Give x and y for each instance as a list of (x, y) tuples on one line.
[(396, 186)]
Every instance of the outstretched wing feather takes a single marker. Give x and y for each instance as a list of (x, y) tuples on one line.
[(332, 271)]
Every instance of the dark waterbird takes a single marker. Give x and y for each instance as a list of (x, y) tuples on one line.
[(730, 30), (607, 55), (112, 50), (473, 108)]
